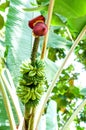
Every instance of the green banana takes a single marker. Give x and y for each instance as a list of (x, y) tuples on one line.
[(40, 74), (31, 87), (32, 73)]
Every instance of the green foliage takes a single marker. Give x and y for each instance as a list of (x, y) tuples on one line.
[(58, 19), (65, 93), (42, 1), (62, 7), (4, 123), (1, 21), (80, 52), (83, 114), (65, 88), (80, 118), (76, 24), (4, 5), (69, 8), (56, 53)]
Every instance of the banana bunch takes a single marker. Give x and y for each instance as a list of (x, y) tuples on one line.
[(26, 67), (32, 74), (31, 83), (27, 94)]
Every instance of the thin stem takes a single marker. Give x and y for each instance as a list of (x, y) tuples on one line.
[(50, 11), (7, 106), (34, 50), (12, 95), (74, 114), (80, 36)]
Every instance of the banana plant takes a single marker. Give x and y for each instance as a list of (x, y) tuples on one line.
[(26, 57)]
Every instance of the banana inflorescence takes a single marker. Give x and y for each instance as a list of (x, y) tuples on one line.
[(31, 83)]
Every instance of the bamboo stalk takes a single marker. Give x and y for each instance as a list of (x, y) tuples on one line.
[(13, 96), (50, 11), (80, 36), (7, 106)]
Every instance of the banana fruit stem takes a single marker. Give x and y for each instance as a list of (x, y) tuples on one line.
[(30, 111), (34, 50), (27, 116), (31, 125)]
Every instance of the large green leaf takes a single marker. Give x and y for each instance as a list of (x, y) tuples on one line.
[(50, 69), (4, 123), (74, 11), (76, 24), (58, 20), (57, 41), (70, 8), (18, 35)]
